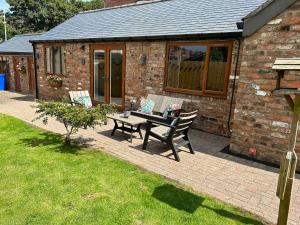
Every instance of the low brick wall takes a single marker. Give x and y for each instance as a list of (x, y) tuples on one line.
[(262, 120), (140, 80)]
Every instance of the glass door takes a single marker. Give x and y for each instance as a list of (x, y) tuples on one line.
[(99, 76), (108, 74), (116, 77)]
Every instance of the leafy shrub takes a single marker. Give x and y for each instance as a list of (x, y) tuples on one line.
[(54, 78), (73, 117)]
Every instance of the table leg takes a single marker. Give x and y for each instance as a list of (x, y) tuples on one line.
[(123, 127), (131, 131), (139, 131), (115, 128)]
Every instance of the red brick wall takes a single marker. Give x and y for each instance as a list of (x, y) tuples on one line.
[(262, 120), (140, 81), (24, 78), (77, 75)]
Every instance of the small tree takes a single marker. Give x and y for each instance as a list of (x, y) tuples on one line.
[(73, 117)]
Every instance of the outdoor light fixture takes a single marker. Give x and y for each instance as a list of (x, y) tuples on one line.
[(143, 59), (240, 25)]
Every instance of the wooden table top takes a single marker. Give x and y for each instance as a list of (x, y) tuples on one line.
[(131, 120)]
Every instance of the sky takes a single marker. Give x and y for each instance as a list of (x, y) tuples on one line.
[(3, 5)]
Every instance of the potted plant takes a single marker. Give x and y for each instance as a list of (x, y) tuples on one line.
[(21, 68), (55, 80)]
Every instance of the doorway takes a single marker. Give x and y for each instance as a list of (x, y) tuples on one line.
[(17, 74), (31, 75), (108, 73)]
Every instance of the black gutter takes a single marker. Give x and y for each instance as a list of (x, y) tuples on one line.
[(35, 73), (17, 53), (148, 38), (233, 86)]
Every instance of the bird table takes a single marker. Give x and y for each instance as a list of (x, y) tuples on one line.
[(289, 159)]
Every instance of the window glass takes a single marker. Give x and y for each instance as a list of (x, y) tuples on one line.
[(190, 70), (99, 75), (217, 68), (48, 60), (4, 65), (55, 60), (186, 67), (62, 56), (116, 61)]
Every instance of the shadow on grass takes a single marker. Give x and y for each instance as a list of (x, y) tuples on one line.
[(189, 202), (53, 142), (178, 198)]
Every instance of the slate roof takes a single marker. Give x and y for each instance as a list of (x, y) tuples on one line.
[(19, 44), (164, 18)]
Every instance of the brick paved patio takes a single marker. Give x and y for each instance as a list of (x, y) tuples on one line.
[(245, 184)]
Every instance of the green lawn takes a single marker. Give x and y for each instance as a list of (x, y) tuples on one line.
[(44, 182)]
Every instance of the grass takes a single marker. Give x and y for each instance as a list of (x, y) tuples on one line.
[(44, 182)]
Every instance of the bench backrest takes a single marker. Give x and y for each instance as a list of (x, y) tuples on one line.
[(184, 122), (81, 97), (162, 102)]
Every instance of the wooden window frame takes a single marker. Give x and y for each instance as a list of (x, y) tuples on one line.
[(203, 92), (45, 59)]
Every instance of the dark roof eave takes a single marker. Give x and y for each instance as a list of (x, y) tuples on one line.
[(237, 34), (17, 53), (258, 18)]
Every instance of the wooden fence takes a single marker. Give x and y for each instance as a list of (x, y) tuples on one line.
[(189, 75)]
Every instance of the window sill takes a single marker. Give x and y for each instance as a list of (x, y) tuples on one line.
[(55, 74), (213, 94)]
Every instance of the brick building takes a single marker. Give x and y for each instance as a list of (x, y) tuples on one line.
[(16, 61), (262, 120), (220, 64)]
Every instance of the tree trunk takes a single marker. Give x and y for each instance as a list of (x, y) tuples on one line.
[(68, 138), (69, 132)]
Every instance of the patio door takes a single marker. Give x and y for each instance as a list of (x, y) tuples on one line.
[(107, 81), (31, 75), (17, 74)]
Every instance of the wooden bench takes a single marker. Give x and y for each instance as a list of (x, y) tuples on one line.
[(171, 133), (81, 98), (161, 104)]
